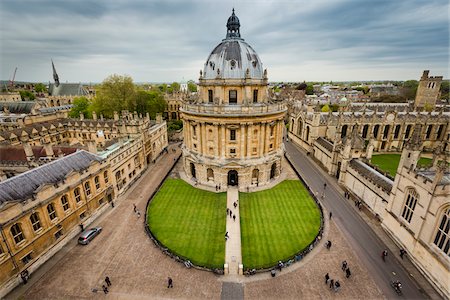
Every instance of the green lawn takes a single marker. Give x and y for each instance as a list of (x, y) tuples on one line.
[(389, 162), (277, 223), (190, 222)]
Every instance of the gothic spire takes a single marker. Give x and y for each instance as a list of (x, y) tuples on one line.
[(55, 75)]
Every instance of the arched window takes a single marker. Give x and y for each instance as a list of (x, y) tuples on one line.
[(105, 176), (35, 222), (255, 175), (442, 239), (210, 174), (97, 182), (76, 193), (344, 131), (376, 128), (397, 131), (365, 130), (300, 128), (51, 211), (307, 133), (65, 202), (410, 204), (273, 170), (87, 188), (291, 128), (408, 131), (17, 234)]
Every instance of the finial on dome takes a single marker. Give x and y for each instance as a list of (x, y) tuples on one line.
[(233, 26)]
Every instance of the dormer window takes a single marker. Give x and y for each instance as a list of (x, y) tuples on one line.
[(233, 64), (210, 96), (255, 96)]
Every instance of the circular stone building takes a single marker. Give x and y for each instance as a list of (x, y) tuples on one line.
[(233, 131)]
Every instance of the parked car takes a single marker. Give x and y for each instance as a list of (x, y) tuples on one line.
[(88, 235)]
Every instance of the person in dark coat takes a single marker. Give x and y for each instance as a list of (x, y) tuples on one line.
[(348, 273), (108, 281), (105, 289), (327, 277), (169, 282)]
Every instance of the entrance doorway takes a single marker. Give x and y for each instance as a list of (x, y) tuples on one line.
[(193, 171), (233, 178)]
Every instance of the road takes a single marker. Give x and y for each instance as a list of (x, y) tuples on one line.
[(363, 240)]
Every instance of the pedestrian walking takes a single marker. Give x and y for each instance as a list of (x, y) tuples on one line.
[(228, 211), (402, 252), (226, 236), (235, 204), (138, 214), (331, 214), (272, 273), (134, 208), (331, 283), (327, 277), (280, 265), (112, 204), (234, 218), (348, 273), (105, 289), (169, 282), (328, 245), (384, 254), (325, 185), (81, 227), (344, 265), (337, 285), (108, 281)]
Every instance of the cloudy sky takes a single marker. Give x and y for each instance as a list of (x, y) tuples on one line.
[(169, 40)]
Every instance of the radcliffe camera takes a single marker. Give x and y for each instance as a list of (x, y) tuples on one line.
[(247, 150)]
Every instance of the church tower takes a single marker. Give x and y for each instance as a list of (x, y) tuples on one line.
[(428, 90), (233, 131)]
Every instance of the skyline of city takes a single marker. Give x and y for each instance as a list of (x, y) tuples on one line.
[(296, 40)]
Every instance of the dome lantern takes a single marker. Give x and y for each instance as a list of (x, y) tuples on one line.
[(233, 26)]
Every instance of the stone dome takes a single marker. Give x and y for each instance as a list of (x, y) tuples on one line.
[(233, 58)]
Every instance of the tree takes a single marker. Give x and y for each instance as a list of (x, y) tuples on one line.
[(409, 89), (116, 93), (445, 90), (325, 108), (175, 86), (40, 88), (192, 87), (80, 105), (150, 101), (309, 89), (27, 96)]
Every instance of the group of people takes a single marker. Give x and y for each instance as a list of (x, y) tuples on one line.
[(136, 211), (332, 284), (328, 245), (230, 212), (218, 187), (346, 269), (108, 284)]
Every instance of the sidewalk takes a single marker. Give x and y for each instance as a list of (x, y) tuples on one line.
[(233, 256)]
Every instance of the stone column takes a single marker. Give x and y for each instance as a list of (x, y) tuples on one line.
[(222, 141), (216, 147), (249, 139), (267, 138), (242, 146), (203, 138), (262, 139)]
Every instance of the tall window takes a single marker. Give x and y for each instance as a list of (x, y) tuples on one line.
[(408, 131), (51, 211), (97, 182), (232, 97), (210, 96), (232, 134), (194, 130), (410, 205), (386, 131), (87, 188), (375, 131), (365, 130), (105, 176), (439, 131), (65, 202), (397, 131), (77, 195), (17, 233), (34, 219), (442, 239), (255, 96), (344, 131), (428, 134)]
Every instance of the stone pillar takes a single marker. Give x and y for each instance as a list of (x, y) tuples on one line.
[(242, 146), (203, 138), (28, 151), (48, 150), (94, 116), (267, 138), (249, 139), (262, 139), (116, 116), (216, 146), (92, 146), (222, 141)]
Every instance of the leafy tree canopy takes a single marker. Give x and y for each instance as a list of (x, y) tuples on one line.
[(27, 96), (309, 89), (192, 87), (40, 88), (80, 105)]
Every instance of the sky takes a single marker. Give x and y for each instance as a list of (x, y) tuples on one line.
[(169, 40)]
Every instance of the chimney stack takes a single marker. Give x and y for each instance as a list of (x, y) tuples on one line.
[(49, 150), (28, 151)]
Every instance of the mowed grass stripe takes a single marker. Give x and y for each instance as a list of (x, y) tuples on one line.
[(277, 223), (190, 222)]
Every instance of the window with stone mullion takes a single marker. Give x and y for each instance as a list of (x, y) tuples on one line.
[(442, 239), (409, 207)]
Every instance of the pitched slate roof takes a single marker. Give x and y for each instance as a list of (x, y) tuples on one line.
[(17, 153), (325, 143), (23, 186), (22, 107), (66, 89)]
